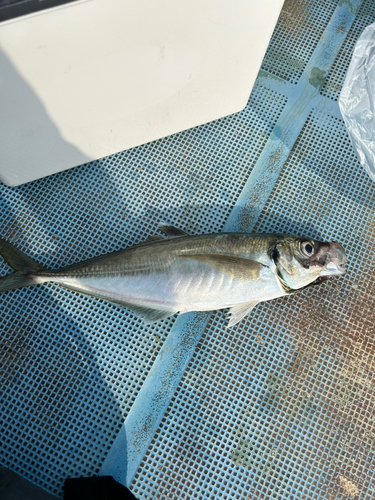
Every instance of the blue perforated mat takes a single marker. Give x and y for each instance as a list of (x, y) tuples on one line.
[(280, 406)]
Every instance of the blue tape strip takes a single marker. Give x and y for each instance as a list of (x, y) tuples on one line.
[(153, 399), (306, 97)]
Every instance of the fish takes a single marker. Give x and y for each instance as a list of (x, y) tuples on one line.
[(175, 272)]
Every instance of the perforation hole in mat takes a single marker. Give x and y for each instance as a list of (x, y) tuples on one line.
[(71, 366), (281, 405), (335, 79), (297, 33)]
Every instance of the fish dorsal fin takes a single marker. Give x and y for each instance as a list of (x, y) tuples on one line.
[(239, 311), (154, 237), (237, 267), (171, 231)]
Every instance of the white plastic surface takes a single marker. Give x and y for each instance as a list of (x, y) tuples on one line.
[(357, 100), (92, 78)]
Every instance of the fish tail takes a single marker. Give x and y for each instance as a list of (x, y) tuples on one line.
[(23, 266), (15, 280)]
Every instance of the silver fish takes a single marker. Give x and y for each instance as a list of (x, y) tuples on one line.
[(180, 273)]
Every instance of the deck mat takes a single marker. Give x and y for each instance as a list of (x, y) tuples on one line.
[(280, 406)]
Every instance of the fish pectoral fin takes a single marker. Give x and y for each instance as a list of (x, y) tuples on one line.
[(148, 314), (239, 311), (237, 267), (171, 231)]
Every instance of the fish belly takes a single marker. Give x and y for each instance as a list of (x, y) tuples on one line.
[(185, 286)]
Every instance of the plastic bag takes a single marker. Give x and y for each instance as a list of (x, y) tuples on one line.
[(357, 100)]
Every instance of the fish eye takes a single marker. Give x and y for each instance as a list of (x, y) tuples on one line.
[(307, 248)]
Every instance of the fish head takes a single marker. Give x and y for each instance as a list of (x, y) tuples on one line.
[(303, 261)]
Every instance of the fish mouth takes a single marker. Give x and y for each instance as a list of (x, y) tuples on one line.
[(335, 261), (333, 269)]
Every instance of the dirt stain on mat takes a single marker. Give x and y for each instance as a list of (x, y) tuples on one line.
[(348, 487)]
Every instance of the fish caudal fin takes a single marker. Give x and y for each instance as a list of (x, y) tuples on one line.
[(17, 259), (23, 265), (15, 280)]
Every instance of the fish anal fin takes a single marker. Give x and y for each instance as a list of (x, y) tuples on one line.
[(239, 268), (239, 311), (171, 231), (148, 314)]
